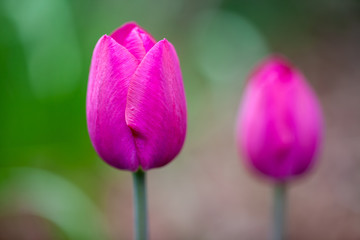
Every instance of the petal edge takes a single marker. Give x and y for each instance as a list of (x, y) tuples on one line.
[(111, 69), (156, 107)]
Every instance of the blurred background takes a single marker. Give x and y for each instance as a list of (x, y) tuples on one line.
[(54, 186)]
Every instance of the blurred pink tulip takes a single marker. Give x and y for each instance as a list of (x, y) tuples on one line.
[(279, 127), (135, 106)]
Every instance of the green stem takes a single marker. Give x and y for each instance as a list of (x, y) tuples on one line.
[(141, 226), (279, 211)]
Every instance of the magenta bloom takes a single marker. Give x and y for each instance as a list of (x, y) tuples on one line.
[(135, 106), (279, 126)]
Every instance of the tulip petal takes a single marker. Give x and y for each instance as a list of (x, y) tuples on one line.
[(156, 107), (275, 135), (135, 39), (110, 73), (309, 129)]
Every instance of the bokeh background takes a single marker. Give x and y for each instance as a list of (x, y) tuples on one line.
[(54, 186)]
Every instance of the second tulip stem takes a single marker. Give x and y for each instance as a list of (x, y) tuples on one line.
[(279, 211), (140, 205)]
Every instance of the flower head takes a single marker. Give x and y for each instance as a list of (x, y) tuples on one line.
[(279, 127), (135, 106)]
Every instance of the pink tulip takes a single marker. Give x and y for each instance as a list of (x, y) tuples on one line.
[(279, 126), (135, 106)]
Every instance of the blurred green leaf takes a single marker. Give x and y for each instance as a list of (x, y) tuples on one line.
[(54, 198)]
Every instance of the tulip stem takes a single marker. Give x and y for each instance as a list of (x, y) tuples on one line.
[(279, 211), (141, 225)]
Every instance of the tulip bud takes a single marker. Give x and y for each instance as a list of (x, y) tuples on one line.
[(279, 127), (135, 106)]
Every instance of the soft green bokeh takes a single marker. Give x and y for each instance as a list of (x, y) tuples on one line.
[(43, 27), (226, 46)]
